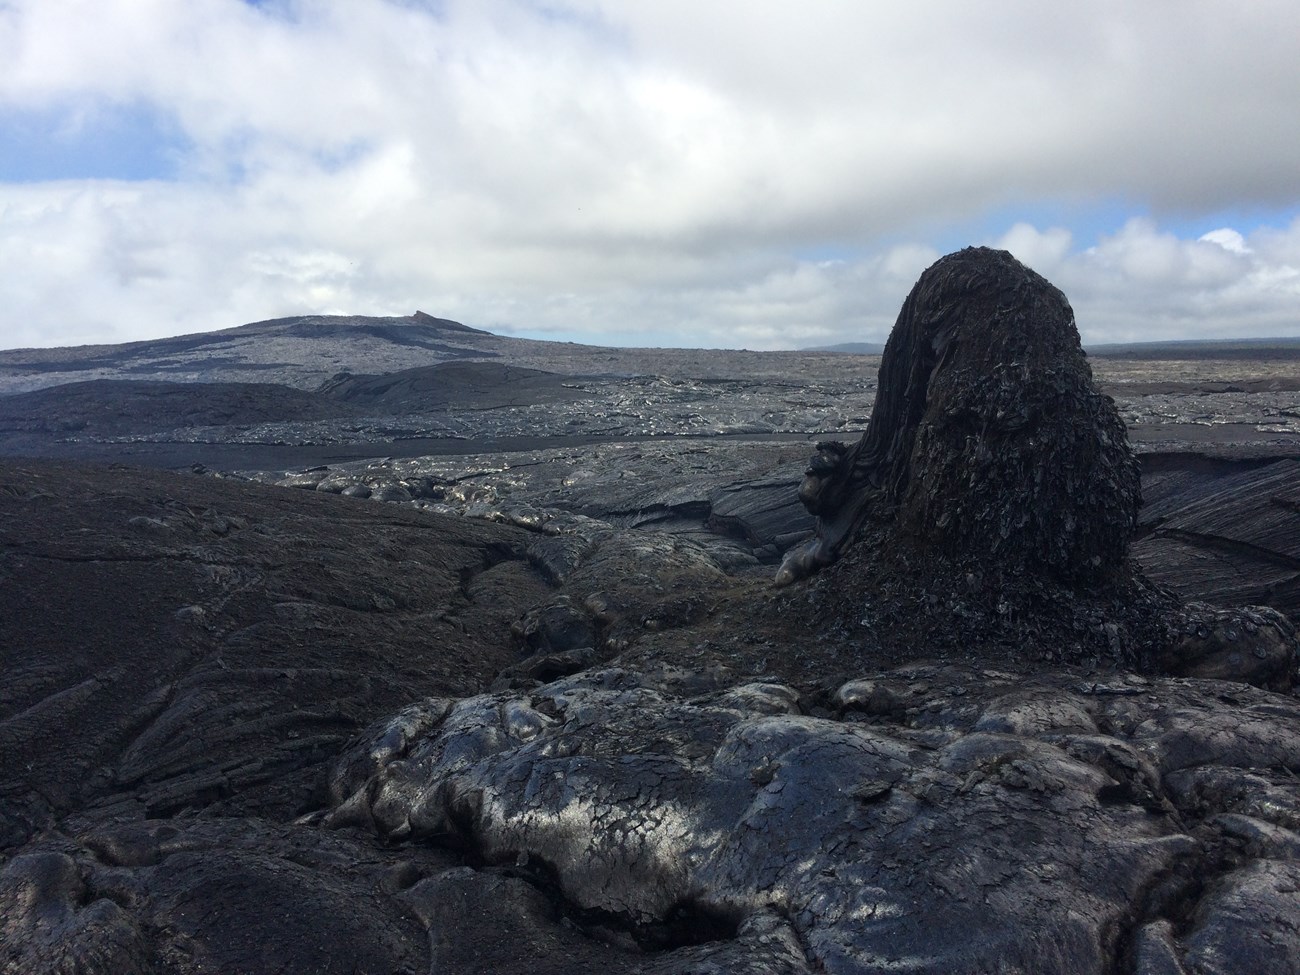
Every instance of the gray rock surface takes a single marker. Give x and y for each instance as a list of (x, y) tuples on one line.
[(319, 716), (913, 821), (327, 727)]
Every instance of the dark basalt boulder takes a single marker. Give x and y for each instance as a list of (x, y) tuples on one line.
[(988, 508), (987, 438)]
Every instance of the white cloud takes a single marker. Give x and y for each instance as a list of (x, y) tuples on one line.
[(1228, 239), (1043, 250), (649, 171), (1142, 284)]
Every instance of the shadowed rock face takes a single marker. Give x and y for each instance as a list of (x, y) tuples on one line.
[(987, 438)]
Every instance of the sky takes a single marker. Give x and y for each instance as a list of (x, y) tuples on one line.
[(700, 173)]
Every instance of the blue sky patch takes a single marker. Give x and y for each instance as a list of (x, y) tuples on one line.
[(106, 141)]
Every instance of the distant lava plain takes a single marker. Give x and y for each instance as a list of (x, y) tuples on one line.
[(364, 386), (709, 441)]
